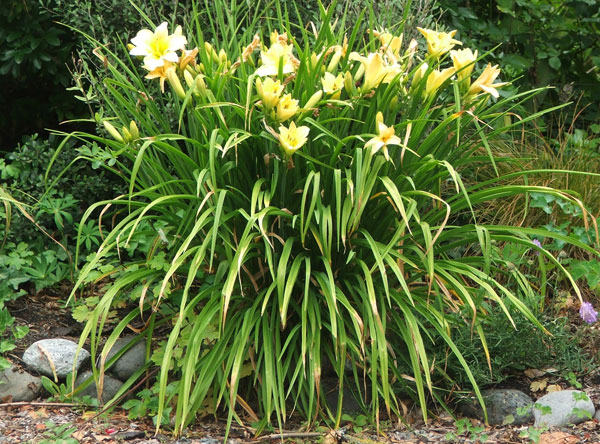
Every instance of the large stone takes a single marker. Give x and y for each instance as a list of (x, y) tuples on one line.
[(502, 405), (131, 361), (558, 409), (19, 385), (110, 386), (61, 352)]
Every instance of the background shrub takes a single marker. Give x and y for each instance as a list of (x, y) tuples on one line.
[(545, 42)]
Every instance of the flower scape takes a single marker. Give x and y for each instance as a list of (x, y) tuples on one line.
[(306, 199)]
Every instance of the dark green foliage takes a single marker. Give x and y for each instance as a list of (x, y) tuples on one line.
[(547, 42), (33, 71), (24, 175), (515, 349)]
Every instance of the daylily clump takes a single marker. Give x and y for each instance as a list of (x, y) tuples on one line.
[(343, 78)]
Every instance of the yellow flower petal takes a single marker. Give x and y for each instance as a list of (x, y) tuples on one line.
[(293, 138)]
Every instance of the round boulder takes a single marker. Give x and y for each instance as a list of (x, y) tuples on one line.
[(110, 386), (130, 361), (558, 409), (42, 356), (18, 385)]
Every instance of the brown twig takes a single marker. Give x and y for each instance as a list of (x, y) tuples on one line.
[(288, 435), (37, 404)]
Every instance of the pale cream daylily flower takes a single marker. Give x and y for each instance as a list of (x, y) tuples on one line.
[(276, 54), (332, 84), (436, 79), (269, 91), (286, 108), (386, 135), (291, 139), (485, 82), (376, 69), (464, 61), (390, 43), (439, 43), (158, 47)]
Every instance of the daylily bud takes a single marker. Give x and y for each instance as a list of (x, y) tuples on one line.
[(126, 134), (349, 84), (314, 59), (133, 129), (419, 74), (211, 52), (222, 56), (314, 99), (112, 131), (175, 83), (189, 79), (335, 60), (200, 85)]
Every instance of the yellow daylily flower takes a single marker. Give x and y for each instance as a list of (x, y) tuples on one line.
[(332, 84), (376, 69), (386, 135), (161, 73), (269, 91), (439, 43), (436, 79), (464, 61), (158, 47), (271, 59), (390, 43), (485, 82), (275, 37), (291, 139), (286, 108)]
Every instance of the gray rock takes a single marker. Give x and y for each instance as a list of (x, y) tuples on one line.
[(109, 389), (130, 362), (60, 351), (19, 385), (566, 407), (501, 405)]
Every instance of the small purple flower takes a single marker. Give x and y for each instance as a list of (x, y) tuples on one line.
[(537, 243), (587, 313)]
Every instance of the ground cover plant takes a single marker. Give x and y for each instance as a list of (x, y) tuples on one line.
[(295, 204)]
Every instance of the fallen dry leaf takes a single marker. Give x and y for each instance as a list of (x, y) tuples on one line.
[(553, 388), (541, 384), (534, 373), (78, 435), (39, 413), (558, 438)]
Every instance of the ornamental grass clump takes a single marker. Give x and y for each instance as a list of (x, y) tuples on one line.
[(301, 193)]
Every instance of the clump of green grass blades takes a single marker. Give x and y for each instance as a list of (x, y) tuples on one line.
[(302, 192)]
